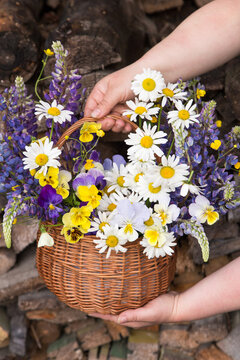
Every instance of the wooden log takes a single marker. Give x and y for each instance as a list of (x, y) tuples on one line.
[(4, 326), (101, 33), (19, 39)]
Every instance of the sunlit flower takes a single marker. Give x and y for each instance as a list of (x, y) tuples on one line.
[(203, 211), (170, 174), (144, 143), (167, 213), (54, 111), (184, 115), (173, 93), (42, 155), (148, 85), (111, 239), (157, 241), (141, 109)]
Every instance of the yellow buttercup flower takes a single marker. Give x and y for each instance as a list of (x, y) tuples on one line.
[(51, 178), (200, 93), (87, 131), (89, 164), (100, 133), (216, 144), (218, 123), (237, 165), (49, 52)]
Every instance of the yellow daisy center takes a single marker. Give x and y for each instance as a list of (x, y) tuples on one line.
[(154, 190), (168, 92), (136, 177), (149, 222), (167, 172), (102, 224), (183, 114), (140, 110), (112, 241), (128, 229), (111, 207), (146, 141), (154, 120), (120, 181), (148, 84), (41, 159), (54, 111)]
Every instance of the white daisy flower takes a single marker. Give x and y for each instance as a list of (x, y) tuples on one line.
[(170, 174), (145, 143), (54, 111), (173, 93), (145, 188), (135, 171), (133, 197), (142, 109), (116, 178), (148, 85), (41, 154), (157, 241), (167, 213), (107, 203), (110, 239), (184, 115), (203, 211), (45, 240), (187, 187), (101, 220)]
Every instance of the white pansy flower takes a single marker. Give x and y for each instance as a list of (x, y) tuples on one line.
[(144, 143), (41, 154), (167, 213), (148, 85), (54, 111), (203, 211), (184, 115), (141, 109), (157, 241)]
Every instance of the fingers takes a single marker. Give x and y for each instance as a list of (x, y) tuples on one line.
[(141, 315), (105, 317), (95, 97)]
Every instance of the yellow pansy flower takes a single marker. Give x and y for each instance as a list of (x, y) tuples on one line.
[(80, 217), (90, 195), (63, 179), (51, 178)]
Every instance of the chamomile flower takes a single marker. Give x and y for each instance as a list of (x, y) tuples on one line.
[(133, 197), (144, 143), (170, 174), (148, 191), (184, 115), (188, 187), (203, 211), (100, 221), (54, 111), (140, 108), (148, 85), (116, 178), (173, 93), (107, 203), (157, 241), (41, 155), (167, 213), (111, 239), (135, 171)]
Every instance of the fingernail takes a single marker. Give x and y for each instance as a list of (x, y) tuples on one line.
[(95, 113)]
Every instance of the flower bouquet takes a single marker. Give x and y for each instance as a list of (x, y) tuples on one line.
[(108, 228)]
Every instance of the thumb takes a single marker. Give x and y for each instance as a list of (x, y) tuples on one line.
[(137, 315)]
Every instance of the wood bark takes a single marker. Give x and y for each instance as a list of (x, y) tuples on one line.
[(19, 39), (101, 33)]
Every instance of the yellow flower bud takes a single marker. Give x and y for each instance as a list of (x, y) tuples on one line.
[(49, 52), (219, 123)]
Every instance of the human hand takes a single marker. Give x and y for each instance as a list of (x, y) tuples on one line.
[(109, 96), (160, 310)]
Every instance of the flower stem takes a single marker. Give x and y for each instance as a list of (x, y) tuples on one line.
[(39, 77)]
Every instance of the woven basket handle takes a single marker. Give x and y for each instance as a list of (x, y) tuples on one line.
[(80, 122)]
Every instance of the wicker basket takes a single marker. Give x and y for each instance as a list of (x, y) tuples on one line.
[(84, 279)]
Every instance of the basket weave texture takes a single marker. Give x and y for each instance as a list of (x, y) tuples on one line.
[(84, 279)]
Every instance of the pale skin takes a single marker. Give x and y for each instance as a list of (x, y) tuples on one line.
[(208, 38)]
